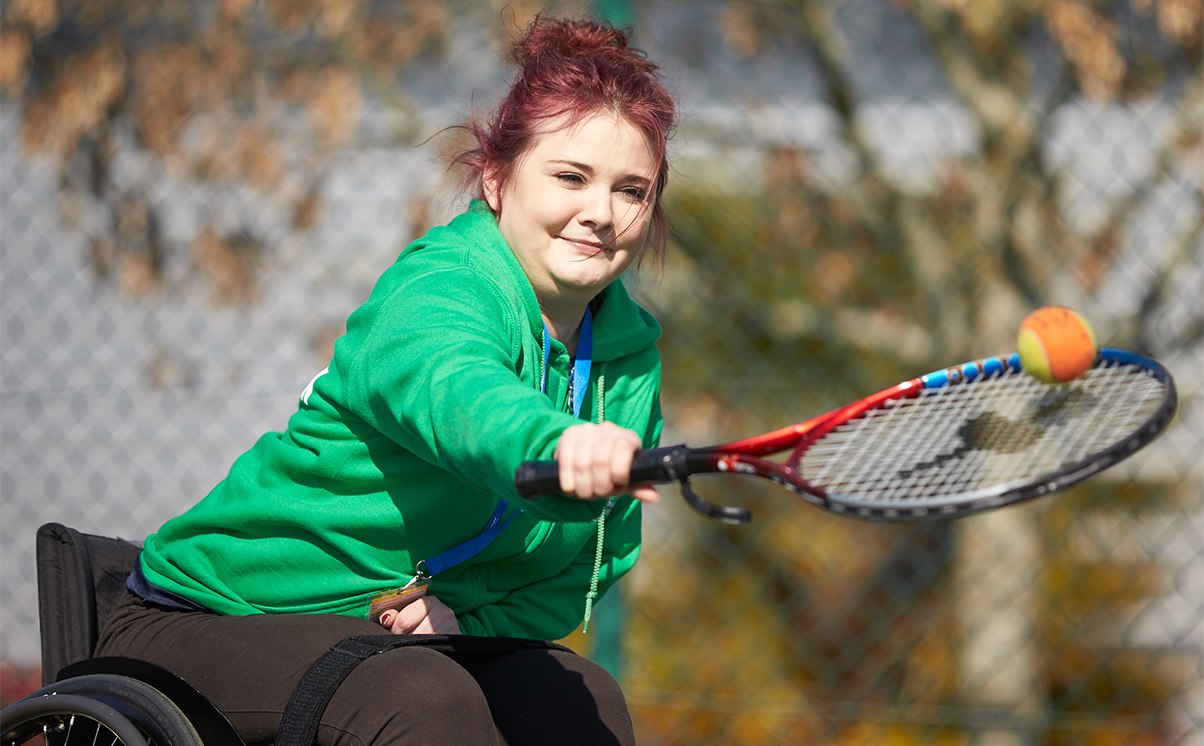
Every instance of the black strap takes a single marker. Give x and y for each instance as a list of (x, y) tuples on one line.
[(299, 725)]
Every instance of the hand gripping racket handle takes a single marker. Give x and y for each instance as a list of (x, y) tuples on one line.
[(535, 479)]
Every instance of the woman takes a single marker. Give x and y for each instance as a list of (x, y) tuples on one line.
[(502, 337)]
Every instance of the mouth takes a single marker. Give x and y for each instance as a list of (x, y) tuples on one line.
[(586, 246)]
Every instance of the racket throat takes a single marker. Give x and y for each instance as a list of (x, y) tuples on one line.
[(722, 513)]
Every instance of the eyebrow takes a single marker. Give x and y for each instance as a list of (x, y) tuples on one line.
[(590, 170)]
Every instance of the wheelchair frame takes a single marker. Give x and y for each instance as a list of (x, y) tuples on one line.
[(92, 700), (81, 577)]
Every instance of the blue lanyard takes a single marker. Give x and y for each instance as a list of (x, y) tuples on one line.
[(581, 367), (472, 547), (585, 349)]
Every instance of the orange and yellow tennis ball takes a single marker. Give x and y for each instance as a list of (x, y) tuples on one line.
[(1056, 345)]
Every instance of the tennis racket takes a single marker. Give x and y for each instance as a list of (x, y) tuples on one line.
[(957, 441)]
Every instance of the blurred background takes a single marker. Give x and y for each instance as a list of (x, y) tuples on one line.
[(195, 194)]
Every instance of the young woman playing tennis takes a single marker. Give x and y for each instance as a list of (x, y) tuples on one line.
[(502, 337)]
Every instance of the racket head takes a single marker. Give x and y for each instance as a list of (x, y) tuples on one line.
[(978, 436)]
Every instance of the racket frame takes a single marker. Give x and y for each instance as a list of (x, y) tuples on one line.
[(747, 456)]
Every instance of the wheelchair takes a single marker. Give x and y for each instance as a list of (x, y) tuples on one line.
[(90, 701), (108, 701)]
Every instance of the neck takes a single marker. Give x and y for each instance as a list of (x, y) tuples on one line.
[(564, 326)]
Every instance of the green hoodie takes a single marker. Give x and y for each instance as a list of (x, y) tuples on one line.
[(404, 446)]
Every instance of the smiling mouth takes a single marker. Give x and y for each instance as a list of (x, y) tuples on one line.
[(595, 246)]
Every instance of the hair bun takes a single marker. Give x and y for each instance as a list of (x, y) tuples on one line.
[(575, 40)]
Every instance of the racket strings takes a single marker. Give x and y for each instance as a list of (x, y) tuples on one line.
[(978, 437)]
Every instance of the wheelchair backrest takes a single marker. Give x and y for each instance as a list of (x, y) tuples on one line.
[(81, 577)]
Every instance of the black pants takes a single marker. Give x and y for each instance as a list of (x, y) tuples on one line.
[(248, 665)]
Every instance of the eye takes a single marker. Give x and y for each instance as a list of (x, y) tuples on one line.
[(570, 178), (637, 194)]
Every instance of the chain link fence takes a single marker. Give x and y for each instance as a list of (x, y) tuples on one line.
[(847, 211)]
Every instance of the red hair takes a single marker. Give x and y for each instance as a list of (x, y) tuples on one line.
[(571, 70)]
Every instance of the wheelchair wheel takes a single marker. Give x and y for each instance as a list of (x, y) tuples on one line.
[(96, 710)]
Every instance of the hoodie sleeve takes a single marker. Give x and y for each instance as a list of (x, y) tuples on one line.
[(553, 608), (429, 362)]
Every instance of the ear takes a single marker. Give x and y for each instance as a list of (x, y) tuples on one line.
[(490, 185)]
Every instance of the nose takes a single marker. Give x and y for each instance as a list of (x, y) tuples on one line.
[(597, 209)]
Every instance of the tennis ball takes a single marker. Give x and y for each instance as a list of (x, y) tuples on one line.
[(1056, 344)]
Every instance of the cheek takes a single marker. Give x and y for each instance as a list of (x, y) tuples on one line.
[(635, 224)]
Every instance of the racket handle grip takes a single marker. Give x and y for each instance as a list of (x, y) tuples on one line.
[(535, 479)]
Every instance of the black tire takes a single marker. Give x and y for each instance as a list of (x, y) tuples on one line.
[(66, 719), (100, 709)]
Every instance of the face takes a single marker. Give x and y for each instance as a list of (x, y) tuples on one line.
[(576, 209)]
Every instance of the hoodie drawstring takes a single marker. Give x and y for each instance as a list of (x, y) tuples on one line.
[(600, 410)]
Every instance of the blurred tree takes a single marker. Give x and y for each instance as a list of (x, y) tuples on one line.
[(797, 294), (257, 95), (941, 271)]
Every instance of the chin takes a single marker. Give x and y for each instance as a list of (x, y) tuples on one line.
[(576, 278), (586, 288)]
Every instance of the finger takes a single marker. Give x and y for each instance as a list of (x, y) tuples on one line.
[(440, 620), (584, 454), (565, 454), (623, 452), (443, 624), (646, 494), (410, 616), (602, 476)]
